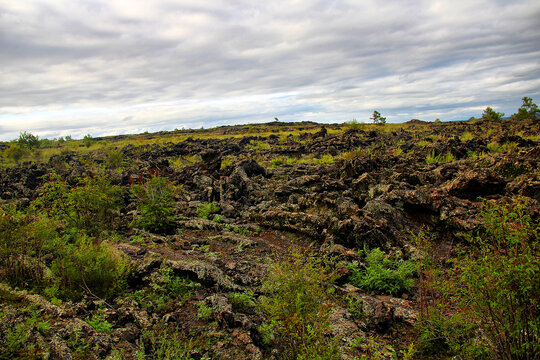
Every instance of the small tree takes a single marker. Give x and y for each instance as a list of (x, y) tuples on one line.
[(527, 110), (88, 140), (28, 140), (377, 118), (491, 115)]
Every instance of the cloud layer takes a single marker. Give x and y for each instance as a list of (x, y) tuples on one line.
[(71, 67)]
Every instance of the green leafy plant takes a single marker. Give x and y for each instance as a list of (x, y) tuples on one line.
[(297, 306), (204, 312), (155, 205), (242, 301), (100, 324), (206, 209), (384, 273)]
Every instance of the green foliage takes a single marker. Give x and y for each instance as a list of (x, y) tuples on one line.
[(242, 302), (527, 110), (155, 205), (113, 158), (100, 324), (28, 140), (491, 115), (165, 343), (204, 312), (354, 124), (326, 159), (432, 158), (15, 344), (170, 290), (90, 267), (501, 148), (206, 209), (24, 240), (491, 295), (377, 118), (91, 206), (355, 307), (384, 274), (298, 306), (258, 145)]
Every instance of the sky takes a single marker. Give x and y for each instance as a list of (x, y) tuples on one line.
[(106, 67)]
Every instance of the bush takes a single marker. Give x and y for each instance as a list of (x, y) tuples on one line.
[(90, 206), (298, 306), (491, 115), (493, 291), (90, 267), (24, 240), (154, 205), (384, 274)]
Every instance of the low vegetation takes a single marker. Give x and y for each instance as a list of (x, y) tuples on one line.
[(275, 241)]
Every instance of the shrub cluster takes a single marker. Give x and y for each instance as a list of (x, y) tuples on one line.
[(487, 303), (297, 306)]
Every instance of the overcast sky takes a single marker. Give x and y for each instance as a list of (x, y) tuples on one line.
[(72, 67)]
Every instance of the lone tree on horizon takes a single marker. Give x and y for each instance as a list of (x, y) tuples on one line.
[(377, 118), (527, 110)]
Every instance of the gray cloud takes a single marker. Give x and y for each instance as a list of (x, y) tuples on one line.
[(104, 67)]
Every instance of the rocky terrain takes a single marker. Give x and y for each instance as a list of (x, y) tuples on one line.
[(241, 203)]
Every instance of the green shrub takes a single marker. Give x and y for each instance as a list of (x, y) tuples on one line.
[(206, 209), (171, 290), (154, 205), (91, 206), (24, 240), (113, 158), (100, 324), (297, 306), (384, 274), (90, 267), (492, 291)]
